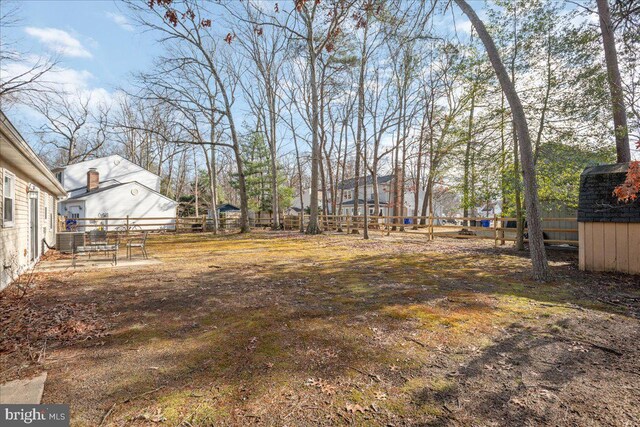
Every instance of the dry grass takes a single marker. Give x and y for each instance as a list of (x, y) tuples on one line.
[(283, 329)]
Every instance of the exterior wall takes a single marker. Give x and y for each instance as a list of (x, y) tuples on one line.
[(609, 246), (121, 201), (15, 250), (110, 167)]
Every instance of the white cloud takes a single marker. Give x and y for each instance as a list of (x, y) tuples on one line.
[(59, 41), (464, 26), (62, 80), (121, 20)]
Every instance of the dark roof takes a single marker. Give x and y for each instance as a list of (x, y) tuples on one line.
[(98, 190), (99, 184), (361, 201), (597, 202), (227, 207), (350, 183), (111, 187)]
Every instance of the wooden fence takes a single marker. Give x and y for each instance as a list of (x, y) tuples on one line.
[(151, 224), (498, 229)]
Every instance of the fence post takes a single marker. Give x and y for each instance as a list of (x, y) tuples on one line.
[(430, 226), (502, 231), (495, 230), (127, 225)]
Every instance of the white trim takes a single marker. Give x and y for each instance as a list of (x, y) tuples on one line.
[(35, 227), (8, 224)]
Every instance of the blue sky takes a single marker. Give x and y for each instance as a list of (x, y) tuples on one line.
[(96, 45), (113, 47)]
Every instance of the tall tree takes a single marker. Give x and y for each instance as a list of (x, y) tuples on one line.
[(191, 27), (615, 82), (536, 239)]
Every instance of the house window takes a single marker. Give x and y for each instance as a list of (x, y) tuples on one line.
[(8, 199), (74, 212), (347, 195), (60, 177)]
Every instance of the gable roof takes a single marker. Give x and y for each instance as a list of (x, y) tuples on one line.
[(228, 207), (350, 183), (17, 153), (85, 165)]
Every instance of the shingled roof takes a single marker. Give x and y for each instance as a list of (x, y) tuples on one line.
[(597, 202), (350, 183)]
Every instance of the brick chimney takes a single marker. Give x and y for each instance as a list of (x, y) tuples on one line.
[(93, 179)]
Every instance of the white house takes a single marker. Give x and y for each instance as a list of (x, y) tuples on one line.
[(28, 195), (113, 187), (117, 168)]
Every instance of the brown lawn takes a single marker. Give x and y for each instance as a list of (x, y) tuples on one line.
[(284, 329)]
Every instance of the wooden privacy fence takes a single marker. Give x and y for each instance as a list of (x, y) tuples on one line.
[(500, 229)]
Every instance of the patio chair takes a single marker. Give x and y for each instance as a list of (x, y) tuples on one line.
[(138, 242)]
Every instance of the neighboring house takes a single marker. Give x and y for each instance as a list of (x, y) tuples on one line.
[(28, 195), (116, 168), (306, 199), (113, 187), (386, 196)]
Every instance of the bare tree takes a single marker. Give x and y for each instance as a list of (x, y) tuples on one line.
[(75, 130), (315, 25), (19, 77), (191, 28), (266, 49)]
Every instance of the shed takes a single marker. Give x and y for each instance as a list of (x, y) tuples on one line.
[(227, 208), (608, 230)]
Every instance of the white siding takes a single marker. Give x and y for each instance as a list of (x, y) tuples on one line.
[(110, 167), (132, 199), (15, 247)]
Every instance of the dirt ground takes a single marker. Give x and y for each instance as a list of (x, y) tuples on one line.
[(284, 329)]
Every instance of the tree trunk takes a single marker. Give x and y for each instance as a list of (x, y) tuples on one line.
[(536, 240), (360, 124), (466, 200), (518, 195), (545, 103), (313, 227), (615, 83), (274, 163), (300, 186), (213, 184)]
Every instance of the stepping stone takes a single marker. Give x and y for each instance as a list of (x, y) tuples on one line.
[(23, 391)]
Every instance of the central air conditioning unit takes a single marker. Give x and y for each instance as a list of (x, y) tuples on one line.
[(68, 241)]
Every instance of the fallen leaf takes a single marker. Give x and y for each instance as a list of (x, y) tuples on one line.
[(353, 408)]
